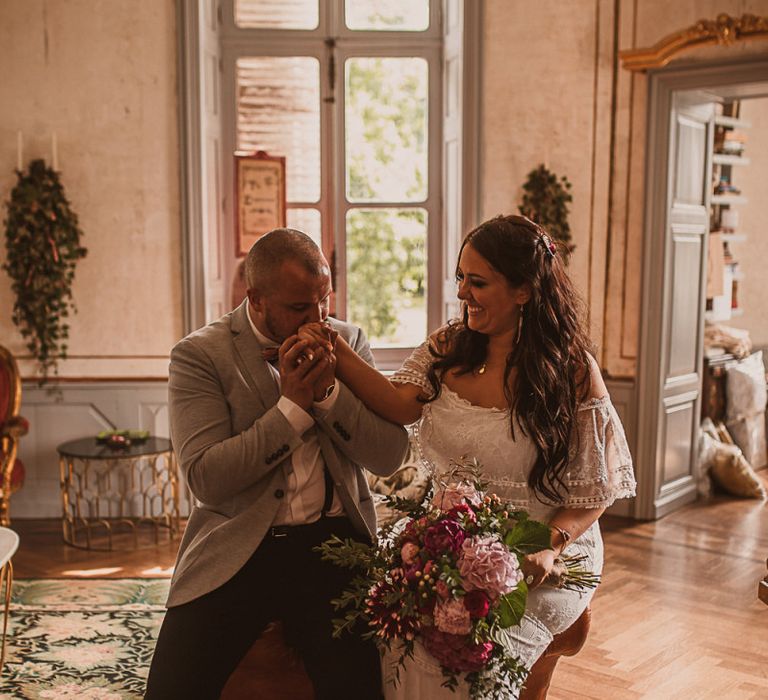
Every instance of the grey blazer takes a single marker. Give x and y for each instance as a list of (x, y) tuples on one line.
[(231, 442)]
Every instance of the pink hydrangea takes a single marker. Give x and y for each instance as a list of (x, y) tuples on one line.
[(455, 494), (456, 652), (452, 616), (486, 564)]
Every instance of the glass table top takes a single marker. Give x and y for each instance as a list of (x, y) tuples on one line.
[(90, 448)]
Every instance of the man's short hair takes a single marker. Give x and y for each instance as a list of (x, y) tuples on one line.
[(276, 247)]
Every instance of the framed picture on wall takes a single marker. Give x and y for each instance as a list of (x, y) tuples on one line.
[(259, 197)]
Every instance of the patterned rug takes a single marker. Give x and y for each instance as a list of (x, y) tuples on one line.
[(83, 639)]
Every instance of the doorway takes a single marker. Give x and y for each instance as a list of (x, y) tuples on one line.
[(686, 105)]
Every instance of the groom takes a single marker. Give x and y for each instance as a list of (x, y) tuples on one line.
[(274, 456)]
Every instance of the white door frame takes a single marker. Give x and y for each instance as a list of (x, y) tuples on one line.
[(720, 79)]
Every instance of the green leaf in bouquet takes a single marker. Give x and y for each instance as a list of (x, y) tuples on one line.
[(512, 606), (348, 553), (528, 536), (413, 508)]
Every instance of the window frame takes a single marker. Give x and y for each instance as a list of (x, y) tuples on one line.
[(238, 42), (203, 232)]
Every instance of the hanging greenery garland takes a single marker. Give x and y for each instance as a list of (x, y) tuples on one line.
[(42, 240), (545, 201)]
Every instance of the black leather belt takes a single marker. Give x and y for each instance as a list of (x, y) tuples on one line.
[(278, 531)]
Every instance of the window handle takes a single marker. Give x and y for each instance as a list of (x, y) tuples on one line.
[(330, 44)]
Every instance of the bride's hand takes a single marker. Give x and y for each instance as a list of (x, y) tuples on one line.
[(536, 567), (319, 334)]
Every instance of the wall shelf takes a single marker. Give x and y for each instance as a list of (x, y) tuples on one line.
[(732, 122), (728, 132), (726, 159), (728, 199)]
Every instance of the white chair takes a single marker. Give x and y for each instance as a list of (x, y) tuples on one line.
[(9, 543)]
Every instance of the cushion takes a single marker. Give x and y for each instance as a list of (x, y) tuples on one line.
[(746, 388), (5, 392), (745, 416), (729, 469)]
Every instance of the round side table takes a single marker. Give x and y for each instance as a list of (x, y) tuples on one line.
[(109, 495)]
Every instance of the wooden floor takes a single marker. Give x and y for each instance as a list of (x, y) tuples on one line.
[(677, 615)]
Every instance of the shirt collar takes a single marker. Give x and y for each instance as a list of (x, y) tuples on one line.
[(263, 340)]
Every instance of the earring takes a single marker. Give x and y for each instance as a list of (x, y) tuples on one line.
[(520, 323)]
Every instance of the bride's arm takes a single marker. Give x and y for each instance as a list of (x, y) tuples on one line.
[(397, 403), (566, 524)]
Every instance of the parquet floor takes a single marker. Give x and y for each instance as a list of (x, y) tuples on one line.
[(677, 615)]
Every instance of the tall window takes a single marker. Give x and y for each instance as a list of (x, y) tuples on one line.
[(348, 91)]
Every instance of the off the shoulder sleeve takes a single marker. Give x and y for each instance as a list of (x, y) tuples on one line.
[(600, 469), (414, 369)]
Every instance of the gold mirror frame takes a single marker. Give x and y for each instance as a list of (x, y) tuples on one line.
[(725, 31)]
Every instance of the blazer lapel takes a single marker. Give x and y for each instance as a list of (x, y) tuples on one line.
[(252, 366)]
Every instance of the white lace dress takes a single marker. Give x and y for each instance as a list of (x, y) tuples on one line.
[(600, 471)]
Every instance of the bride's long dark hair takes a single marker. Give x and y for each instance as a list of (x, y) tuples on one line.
[(551, 354)]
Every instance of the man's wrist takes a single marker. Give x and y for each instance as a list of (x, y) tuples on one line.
[(326, 393)]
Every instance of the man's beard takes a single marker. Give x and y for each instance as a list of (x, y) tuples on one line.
[(273, 334)]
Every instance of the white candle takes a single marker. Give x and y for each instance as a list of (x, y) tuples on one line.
[(54, 152), (19, 150)]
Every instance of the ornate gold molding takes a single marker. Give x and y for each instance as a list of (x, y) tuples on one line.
[(725, 30)]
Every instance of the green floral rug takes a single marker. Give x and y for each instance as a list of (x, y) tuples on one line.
[(83, 639)]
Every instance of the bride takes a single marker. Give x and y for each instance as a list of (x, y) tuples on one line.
[(512, 383)]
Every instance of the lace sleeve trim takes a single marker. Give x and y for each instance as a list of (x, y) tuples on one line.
[(415, 368), (600, 470)]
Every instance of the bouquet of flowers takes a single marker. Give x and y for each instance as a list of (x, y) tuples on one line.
[(448, 574)]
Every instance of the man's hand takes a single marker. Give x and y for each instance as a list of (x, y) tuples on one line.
[(327, 377), (301, 366)]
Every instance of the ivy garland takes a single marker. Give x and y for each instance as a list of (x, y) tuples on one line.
[(42, 240), (545, 201)]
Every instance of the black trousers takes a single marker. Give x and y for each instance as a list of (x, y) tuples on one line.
[(201, 642)]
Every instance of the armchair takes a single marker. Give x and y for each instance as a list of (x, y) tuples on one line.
[(12, 427)]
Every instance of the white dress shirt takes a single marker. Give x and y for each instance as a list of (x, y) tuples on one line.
[(305, 490)]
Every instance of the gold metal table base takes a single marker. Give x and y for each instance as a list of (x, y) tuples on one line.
[(119, 501)]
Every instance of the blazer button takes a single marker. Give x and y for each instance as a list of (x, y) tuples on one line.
[(279, 493)]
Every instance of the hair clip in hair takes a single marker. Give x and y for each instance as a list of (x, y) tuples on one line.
[(548, 244)]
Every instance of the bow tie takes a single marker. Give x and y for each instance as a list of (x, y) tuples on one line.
[(270, 354)]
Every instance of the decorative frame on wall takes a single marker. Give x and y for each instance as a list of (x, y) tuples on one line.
[(259, 197), (725, 30)]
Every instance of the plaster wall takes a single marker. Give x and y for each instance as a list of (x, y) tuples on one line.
[(547, 80), (101, 75), (752, 254), (554, 92)]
